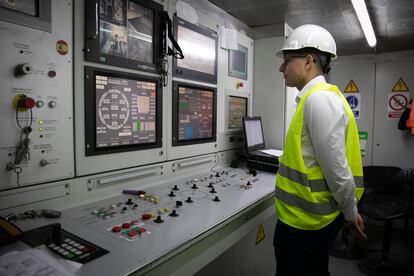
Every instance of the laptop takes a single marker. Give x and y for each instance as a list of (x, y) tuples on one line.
[(255, 142)]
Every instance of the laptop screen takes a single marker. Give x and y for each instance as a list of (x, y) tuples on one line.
[(253, 133)]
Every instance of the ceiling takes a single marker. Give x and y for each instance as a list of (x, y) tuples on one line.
[(393, 20)]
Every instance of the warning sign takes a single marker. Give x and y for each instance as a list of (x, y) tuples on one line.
[(351, 87), (260, 234), (62, 47), (400, 86), (397, 102), (354, 102)]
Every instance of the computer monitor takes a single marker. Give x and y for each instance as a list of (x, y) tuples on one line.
[(199, 45), (238, 62), (237, 109), (253, 133), (122, 112), (125, 33), (194, 114)]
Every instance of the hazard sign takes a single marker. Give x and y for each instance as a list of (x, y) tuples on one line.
[(354, 102), (351, 87), (260, 234), (397, 102), (400, 86)]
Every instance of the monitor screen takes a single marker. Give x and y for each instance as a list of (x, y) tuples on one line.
[(253, 132), (126, 111), (194, 114), (128, 34), (199, 47), (30, 7), (237, 110), (238, 62)]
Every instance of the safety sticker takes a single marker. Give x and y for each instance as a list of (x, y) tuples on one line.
[(400, 86), (363, 137), (351, 87), (62, 47), (260, 234), (396, 104), (354, 102)]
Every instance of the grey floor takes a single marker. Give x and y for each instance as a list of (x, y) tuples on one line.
[(401, 252), (245, 260)]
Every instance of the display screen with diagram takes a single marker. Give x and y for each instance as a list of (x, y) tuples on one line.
[(237, 109), (127, 33), (194, 114), (123, 111)]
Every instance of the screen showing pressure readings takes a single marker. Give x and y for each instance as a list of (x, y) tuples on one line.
[(126, 111)]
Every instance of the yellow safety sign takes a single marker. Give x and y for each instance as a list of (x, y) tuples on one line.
[(260, 234), (351, 87), (400, 86)]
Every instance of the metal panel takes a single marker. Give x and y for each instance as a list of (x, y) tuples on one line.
[(46, 60), (391, 145), (362, 73)]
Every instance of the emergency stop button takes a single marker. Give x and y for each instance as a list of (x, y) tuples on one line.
[(27, 102)]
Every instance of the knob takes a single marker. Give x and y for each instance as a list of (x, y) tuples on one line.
[(173, 214), (43, 163), (216, 199), (175, 188), (129, 202), (171, 194), (124, 209), (189, 200), (22, 69), (210, 185), (40, 103), (52, 104), (158, 220), (217, 174), (213, 191), (178, 203), (194, 186)]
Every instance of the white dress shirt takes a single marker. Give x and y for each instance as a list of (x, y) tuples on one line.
[(323, 143)]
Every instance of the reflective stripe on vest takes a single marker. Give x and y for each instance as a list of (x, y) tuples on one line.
[(302, 197), (317, 185)]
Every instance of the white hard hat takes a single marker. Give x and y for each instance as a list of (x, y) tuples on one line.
[(310, 36)]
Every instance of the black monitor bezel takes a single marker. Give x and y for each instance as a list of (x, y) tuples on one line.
[(90, 116), (189, 74), (175, 102), (92, 48), (258, 146), (228, 110)]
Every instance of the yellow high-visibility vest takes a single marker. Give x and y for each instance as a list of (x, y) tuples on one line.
[(302, 197)]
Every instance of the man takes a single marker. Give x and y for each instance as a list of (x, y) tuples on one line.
[(320, 174)]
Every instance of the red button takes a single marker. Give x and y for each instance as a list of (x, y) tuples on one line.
[(51, 74), (132, 234), (141, 230), (85, 250), (116, 229), (126, 225), (27, 103), (146, 216), (134, 221)]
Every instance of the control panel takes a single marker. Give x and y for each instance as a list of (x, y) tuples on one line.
[(36, 97), (141, 226)]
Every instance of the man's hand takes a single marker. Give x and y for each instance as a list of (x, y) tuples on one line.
[(356, 228)]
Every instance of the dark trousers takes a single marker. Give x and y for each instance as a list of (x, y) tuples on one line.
[(304, 252)]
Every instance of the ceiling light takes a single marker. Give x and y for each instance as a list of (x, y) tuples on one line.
[(363, 17)]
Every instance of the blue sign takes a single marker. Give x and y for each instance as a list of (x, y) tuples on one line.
[(352, 101)]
